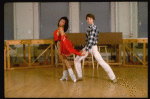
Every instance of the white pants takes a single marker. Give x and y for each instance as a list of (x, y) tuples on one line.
[(99, 59)]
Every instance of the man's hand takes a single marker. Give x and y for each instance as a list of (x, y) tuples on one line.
[(84, 53)]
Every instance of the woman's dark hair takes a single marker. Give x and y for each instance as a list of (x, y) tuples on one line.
[(91, 16), (66, 23)]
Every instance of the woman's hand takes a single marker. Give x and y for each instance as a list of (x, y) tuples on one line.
[(84, 53)]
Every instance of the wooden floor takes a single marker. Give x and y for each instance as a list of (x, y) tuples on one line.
[(44, 82)]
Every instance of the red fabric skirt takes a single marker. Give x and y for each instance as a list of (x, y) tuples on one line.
[(66, 47)]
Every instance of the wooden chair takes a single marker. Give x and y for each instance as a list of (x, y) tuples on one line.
[(88, 57), (99, 47)]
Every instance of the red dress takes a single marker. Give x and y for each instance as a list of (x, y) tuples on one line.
[(66, 46)]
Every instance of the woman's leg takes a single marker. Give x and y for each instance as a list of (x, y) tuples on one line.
[(67, 64), (71, 73), (65, 73), (60, 56)]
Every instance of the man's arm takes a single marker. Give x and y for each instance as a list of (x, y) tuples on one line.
[(90, 39)]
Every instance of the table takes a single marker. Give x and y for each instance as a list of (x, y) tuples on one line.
[(105, 38), (112, 38), (29, 42), (131, 41), (4, 55)]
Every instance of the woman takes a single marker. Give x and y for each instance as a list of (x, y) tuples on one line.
[(64, 48)]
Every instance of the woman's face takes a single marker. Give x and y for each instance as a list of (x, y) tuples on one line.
[(62, 23)]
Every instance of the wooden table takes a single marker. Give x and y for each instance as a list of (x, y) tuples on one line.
[(29, 42), (4, 55), (112, 38), (137, 40), (106, 38)]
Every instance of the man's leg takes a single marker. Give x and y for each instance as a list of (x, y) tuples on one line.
[(77, 62), (104, 65)]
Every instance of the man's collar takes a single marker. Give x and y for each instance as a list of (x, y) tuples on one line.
[(91, 25)]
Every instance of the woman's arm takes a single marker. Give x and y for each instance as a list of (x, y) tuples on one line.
[(61, 31), (69, 47)]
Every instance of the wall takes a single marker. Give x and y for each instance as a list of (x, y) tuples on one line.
[(26, 24), (26, 21), (134, 20), (74, 17), (36, 20), (124, 18), (101, 12), (113, 16), (50, 13), (23, 23), (142, 19), (8, 21)]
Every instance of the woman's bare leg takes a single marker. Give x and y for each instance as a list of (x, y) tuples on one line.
[(60, 56), (66, 65), (65, 73)]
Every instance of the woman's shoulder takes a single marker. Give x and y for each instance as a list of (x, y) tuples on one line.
[(56, 29)]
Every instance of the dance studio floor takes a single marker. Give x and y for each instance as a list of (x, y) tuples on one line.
[(45, 83)]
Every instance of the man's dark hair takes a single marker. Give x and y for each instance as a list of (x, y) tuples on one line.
[(91, 16)]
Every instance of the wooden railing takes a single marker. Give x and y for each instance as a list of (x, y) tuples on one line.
[(29, 42)]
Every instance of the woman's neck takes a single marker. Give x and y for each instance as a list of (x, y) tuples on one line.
[(61, 27)]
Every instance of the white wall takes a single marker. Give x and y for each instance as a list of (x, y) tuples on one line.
[(26, 24), (113, 17), (26, 21), (74, 17), (36, 20), (135, 19), (23, 21), (125, 20)]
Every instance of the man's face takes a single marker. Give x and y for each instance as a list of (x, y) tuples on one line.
[(90, 20)]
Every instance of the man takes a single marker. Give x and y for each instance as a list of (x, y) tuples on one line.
[(91, 46)]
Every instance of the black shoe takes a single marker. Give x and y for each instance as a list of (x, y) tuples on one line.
[(115, 80), (79, 79)]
